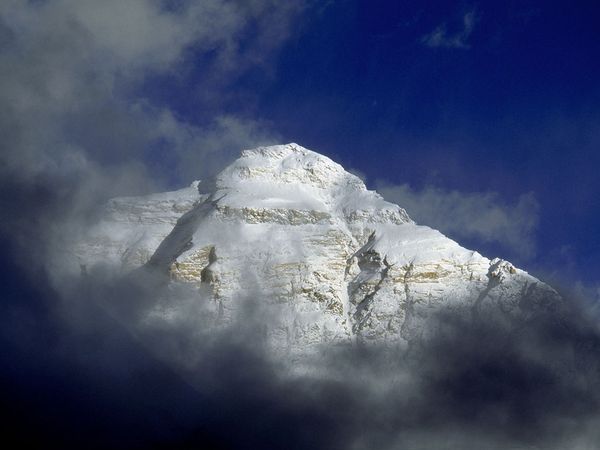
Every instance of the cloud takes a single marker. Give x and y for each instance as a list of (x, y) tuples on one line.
[(72, 71), (441, 37), (78, 127), (473, 384), (78, 124), (480, 216)]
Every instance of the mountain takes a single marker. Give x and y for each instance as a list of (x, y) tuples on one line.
[(327, 260)]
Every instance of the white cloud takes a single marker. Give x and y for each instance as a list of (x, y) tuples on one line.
[(481, 216), (441, 37), (71, 69)]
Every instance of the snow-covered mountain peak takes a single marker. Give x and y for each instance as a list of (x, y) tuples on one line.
[(292, 178), (288, 164), (333, 261)]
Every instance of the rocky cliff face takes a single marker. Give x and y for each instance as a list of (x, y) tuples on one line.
[(332, 261)]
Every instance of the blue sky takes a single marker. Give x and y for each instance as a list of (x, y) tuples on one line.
[(474, 97)]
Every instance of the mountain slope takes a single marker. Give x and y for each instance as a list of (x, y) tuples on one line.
[(333, 261)]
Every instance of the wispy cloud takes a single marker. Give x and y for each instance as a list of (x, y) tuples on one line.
[(77, 122), (480, 216), (442, 37), (72, 71)]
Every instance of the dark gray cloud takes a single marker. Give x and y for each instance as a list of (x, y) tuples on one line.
[(105, 383), (77, 129)]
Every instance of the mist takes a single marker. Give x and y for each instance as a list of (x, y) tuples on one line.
[(80, 371)]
